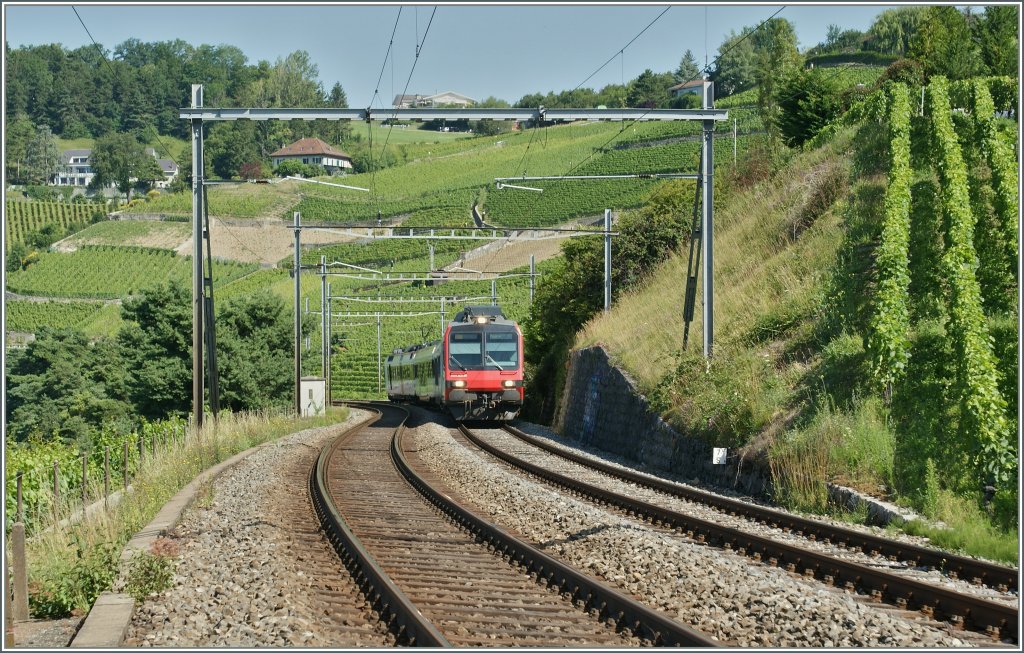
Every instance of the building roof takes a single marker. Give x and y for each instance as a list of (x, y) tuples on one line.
[(693, 83), (404, 99), (67, 155), (454, 94), (308, 146), (168, 165)]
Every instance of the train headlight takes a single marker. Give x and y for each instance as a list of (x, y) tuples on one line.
[(458, 384), (509, 383), (481, 320)]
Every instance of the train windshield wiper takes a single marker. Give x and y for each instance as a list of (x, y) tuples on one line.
[(488, 356), (454, 360)]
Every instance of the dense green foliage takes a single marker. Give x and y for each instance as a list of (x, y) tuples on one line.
[(888, 336), (983, 421), (1003, 166)]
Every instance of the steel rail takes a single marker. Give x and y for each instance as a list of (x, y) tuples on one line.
[(984, 615), (595, 594), (389, 598), (993, 575)]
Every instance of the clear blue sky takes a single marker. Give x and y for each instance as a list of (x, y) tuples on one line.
[(506, 51)]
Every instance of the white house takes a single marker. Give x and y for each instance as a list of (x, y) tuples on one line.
[(695, 87), (74, 169), (313, 151)]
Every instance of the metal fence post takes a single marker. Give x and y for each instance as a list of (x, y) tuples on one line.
[(533, 274), (85, 479), (126, 463), (607, 260), (56, 487), (297, 222), (106, 476)]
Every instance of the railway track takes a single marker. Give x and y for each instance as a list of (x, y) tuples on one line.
[(588, 478), (442, 576)]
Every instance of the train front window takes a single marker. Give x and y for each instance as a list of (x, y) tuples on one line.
[(502, 350), (465, 350)]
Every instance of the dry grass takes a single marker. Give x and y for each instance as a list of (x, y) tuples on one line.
[(758, 267), (69, 566)]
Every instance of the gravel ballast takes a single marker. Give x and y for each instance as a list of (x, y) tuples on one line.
[(718, 592), (250, 570)]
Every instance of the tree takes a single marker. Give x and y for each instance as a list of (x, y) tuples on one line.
[(42, 156), (120, 159), (777, 57), (649, 90), (736, 65), (996, 33), (254, 352), (156, 345), (894, 29), (687, 69), (945, 46), (63, 386), (19, 133), (809, 101), (254, 170)]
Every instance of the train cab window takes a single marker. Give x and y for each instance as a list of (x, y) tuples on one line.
[(464, 349), (502, 350)]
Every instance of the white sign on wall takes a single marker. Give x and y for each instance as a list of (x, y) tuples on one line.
[(718, 456)]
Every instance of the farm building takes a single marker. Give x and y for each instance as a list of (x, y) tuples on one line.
[(316, 152), (448, 98), (695, 87)]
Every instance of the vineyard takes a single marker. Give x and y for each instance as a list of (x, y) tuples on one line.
[(112, 272), (143, 233), (26, 216), (31, 316)]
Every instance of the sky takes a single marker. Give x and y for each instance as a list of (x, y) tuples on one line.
[(505, 51)]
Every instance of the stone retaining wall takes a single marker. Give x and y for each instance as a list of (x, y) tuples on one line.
[(601, 407)]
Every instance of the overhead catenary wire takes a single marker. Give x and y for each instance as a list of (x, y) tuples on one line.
[(619, 53), (103, 58), (705, 71), (391, 126), (622, 49)]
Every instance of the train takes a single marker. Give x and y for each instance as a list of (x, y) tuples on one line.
[(475, 371)]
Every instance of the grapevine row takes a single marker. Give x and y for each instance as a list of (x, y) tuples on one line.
[(1001, 162), (888, 337), (983, 408)]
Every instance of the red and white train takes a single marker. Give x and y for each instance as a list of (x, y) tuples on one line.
[(475, 370)]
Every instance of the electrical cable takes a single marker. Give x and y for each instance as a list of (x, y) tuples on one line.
[(622, 49), (419, 50), (706, 69), (103, 57)]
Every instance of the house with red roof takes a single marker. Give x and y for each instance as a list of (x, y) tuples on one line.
[(316, 152)]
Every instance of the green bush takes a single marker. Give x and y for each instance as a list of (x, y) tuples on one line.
[(73, 589), (149, 573)]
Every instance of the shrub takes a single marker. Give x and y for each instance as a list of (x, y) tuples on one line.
[(151, 572)]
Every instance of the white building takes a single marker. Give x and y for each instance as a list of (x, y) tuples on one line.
[(75, 169), (448, 98), (313, 151)]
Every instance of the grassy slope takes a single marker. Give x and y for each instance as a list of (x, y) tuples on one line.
[(790, 374)]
